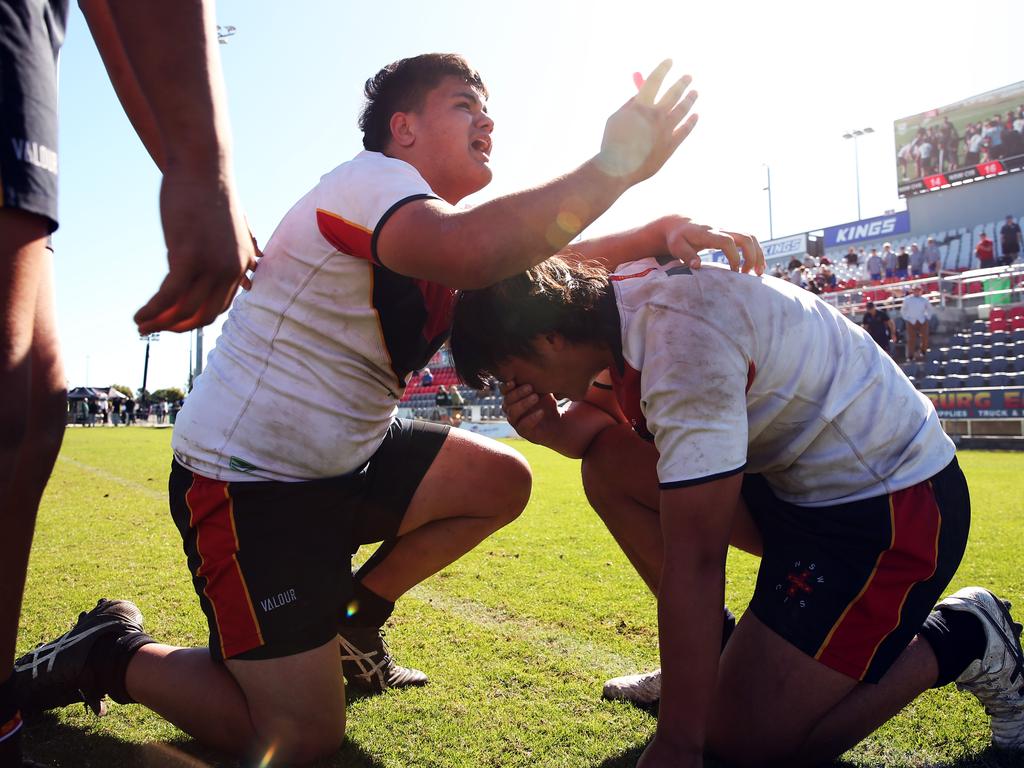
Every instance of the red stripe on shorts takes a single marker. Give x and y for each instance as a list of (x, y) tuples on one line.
[(213, 519), (911, 558)]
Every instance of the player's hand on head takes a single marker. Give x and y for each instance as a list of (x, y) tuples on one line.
[(209, 251), (531, 414), (646, 130), (685, 239)]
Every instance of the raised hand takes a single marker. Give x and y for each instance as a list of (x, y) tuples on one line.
[(644, 132)]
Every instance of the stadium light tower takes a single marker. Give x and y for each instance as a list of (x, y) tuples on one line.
[(856, 158)]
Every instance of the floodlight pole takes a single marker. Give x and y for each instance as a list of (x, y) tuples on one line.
[(856, 134), (771, 229), (148, 338)]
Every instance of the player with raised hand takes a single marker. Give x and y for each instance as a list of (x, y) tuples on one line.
[(752, 406), (290, 437)]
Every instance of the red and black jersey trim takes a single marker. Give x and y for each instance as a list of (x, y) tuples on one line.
[(387, 215), (701, 480)]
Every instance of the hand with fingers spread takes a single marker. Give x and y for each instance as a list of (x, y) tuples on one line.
[(684, 239), (534, 416), (209, 251), (645, 131)]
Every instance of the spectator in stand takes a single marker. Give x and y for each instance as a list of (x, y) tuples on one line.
[(426, 378), (827, 277), (888, 260), (851, 257), (1010, 237), (916, 261), (903, 263), (875, 266), (916, 312), (795, 276), (932, 256), (878, 324), (457, 402), (441, 398), (985, 252)]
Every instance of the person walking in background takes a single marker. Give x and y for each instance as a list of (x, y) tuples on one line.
[(879, 325), (916, 312), (1010, 240)]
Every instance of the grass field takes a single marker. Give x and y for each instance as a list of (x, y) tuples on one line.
[(517, 636)]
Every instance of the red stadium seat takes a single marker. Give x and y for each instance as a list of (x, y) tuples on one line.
[(998, 313), (1017, 311), (998, 324), (1017, 323)]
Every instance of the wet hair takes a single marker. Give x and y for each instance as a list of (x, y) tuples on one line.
[(492, 325), (402, 86)]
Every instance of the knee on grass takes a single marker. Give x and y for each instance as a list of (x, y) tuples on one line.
[(298, 742)]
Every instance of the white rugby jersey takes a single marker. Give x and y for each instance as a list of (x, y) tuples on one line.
[(312, 362), (730, 371)]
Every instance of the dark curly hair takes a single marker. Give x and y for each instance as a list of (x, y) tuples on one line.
[(491, 325), (402, 86)]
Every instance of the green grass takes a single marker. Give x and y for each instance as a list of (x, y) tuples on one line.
[(517, 636)]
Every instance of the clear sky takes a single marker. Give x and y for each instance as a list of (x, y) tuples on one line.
[(779, 84)]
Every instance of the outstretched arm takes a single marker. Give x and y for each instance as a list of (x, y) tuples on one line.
[(162, 58), (432, 240)]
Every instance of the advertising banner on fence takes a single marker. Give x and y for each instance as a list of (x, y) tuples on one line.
[(867, 229), (781, 249), (972, 139), (998, 403)]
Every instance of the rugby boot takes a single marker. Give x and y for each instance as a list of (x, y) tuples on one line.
[(643, 690), (997, 678), (58, 673), (367, 662)]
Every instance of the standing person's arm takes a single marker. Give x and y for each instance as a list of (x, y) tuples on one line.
[(696, 522), (162, 58), (432, 240)]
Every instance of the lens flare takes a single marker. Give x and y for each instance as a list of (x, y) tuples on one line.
[(351, 608), (265, 762)]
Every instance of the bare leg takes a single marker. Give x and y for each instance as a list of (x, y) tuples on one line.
[(30, 373), (474, 487), (826, 712), (294, 705), (621, 482)]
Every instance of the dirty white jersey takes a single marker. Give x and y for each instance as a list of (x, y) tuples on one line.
[(731, 372), (312, 362)]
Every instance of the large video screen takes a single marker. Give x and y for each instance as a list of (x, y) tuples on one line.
[(975, 138)]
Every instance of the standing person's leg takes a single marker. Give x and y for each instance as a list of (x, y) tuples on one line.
[(31, 424), (434, 493), (923, 346), (913, 337)]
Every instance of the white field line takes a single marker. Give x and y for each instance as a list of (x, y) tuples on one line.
[(495, 620), (124, 482)]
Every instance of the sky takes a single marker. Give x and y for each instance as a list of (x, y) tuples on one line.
[(779, 84)]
